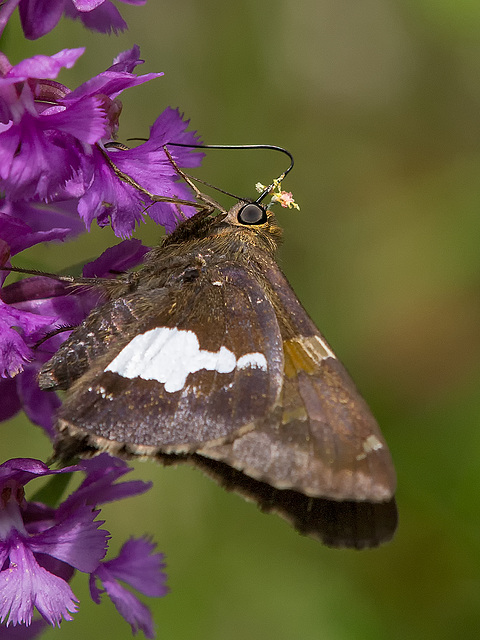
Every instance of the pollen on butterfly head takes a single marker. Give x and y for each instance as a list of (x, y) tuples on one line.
[(285, 198)]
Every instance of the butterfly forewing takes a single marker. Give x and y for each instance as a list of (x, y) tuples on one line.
[(199, 373)]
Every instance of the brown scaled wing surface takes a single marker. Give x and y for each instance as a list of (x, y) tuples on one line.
[(296, 438)]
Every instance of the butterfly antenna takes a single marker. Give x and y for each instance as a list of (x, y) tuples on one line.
[(68, 280), (133, 183), (272, 147), (210, 202)]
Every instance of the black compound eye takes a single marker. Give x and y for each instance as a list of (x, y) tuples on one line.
[(252, 214)]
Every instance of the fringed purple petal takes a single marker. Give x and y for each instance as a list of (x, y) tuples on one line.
[(14, 353), (105, 18), (98, 488), (16, 328), (110, 200), (76, 540), (36, 587), (128, 605), (139, 567), (166, 213), (84, 120), (45, 160)]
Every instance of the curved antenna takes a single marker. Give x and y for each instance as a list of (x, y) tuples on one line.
[(272, 147)]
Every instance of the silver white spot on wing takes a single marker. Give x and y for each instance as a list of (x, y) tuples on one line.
[(170, 355), (372, 443), (255, 360)]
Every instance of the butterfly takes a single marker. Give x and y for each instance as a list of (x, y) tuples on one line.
[(205, 356)]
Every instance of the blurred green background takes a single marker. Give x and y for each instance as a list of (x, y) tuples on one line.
[(379, 101)]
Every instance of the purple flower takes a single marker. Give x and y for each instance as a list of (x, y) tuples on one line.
[(48, 130), (113, 201), (25, 582), (40, 148), (33, 307), (60, 151), (41, 547), (21, 328), (38, 18), (136, 566)]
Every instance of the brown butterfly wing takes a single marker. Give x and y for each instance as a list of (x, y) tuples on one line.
[(126, 410), (335, 523), (295, 436), (320, 438), (318, 459)]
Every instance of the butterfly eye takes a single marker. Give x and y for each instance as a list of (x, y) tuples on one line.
[(252, 214)]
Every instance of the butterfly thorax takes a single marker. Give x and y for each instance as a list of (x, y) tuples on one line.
[(198, 245)]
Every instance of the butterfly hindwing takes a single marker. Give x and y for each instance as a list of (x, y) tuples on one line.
[(345, 523)]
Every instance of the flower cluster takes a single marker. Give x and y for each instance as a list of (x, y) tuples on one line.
[(54, 144), (41, 547), (61, 170), (57, 170)]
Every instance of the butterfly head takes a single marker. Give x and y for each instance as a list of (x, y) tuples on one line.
[(248, 225)]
